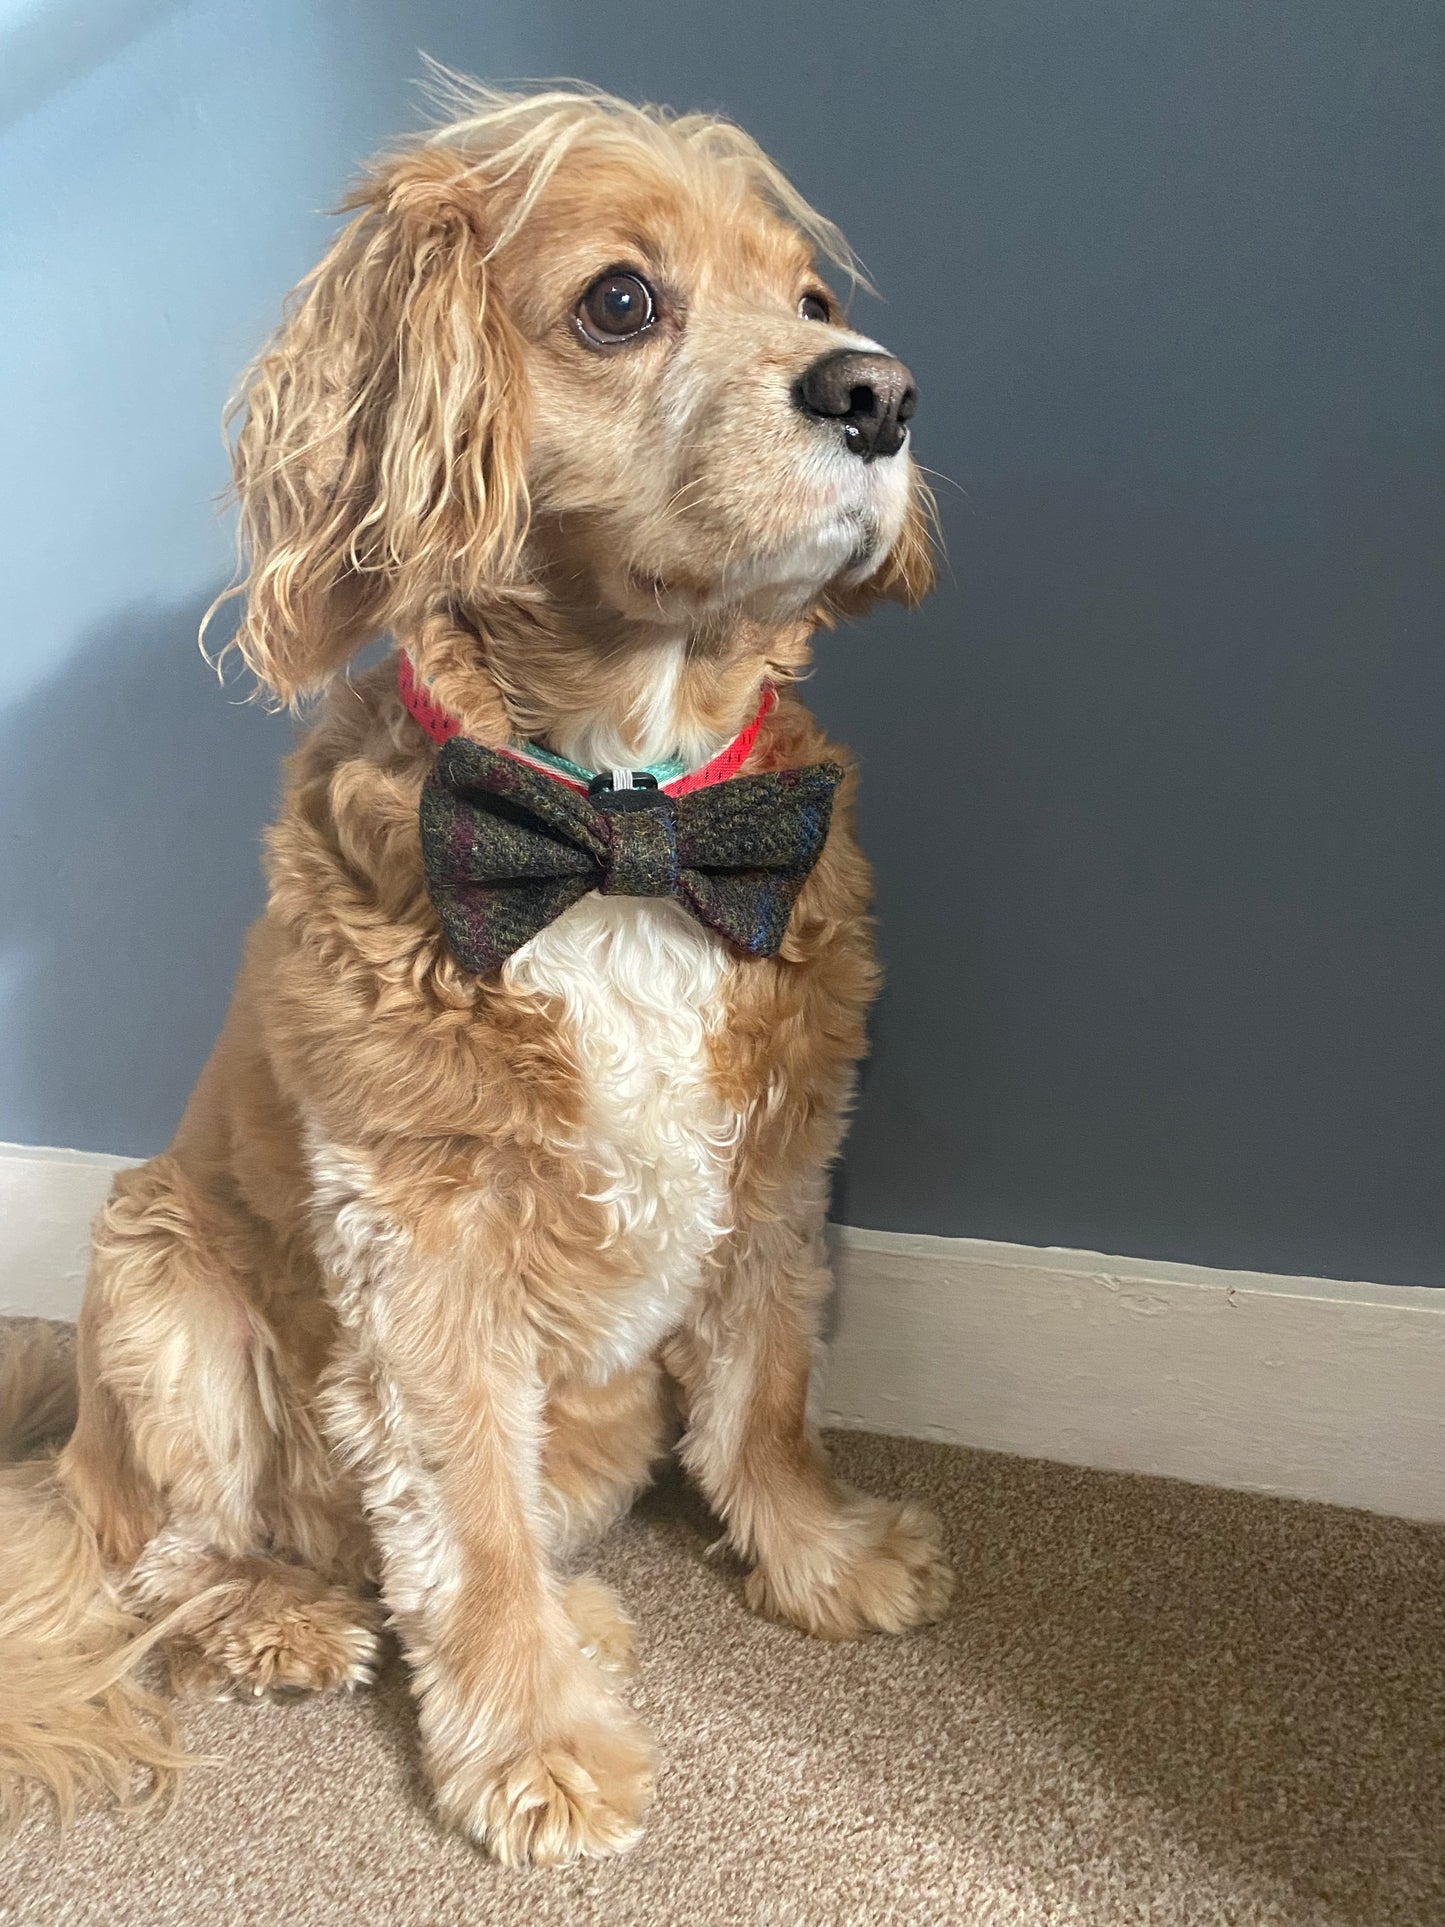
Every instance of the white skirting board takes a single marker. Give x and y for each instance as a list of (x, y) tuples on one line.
[(1298, 1386), (47, 1201), (1302, 1387)]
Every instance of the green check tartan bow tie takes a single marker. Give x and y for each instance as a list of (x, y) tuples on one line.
[(507, 849)]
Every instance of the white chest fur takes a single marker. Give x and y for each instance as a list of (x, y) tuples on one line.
[(639, 981)]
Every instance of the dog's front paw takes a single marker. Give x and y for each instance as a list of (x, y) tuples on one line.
[(578, 1795), (873, 1566)]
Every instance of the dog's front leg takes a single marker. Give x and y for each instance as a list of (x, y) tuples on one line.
[(439, 1401), (833, 1561)]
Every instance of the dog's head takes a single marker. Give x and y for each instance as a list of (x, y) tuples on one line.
[(582, 346)]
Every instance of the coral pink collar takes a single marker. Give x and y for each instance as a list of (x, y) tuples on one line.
[(441, 725)]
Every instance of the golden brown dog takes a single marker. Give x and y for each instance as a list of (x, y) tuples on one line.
[(408, 1304)]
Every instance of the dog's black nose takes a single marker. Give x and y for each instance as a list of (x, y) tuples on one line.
[(872, 395)]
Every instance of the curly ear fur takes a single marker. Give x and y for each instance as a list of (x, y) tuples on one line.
[(380, 458), (909, 570)]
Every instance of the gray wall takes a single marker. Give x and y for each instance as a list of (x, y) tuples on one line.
[(1153, 785)]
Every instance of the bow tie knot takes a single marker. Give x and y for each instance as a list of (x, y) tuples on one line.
[(507, 849), (641, 859)]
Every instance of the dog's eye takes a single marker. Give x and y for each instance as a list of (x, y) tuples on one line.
[(616, 307), (814, 307)]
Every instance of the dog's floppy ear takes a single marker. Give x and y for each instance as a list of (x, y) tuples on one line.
[(907, 572), (380, 458)]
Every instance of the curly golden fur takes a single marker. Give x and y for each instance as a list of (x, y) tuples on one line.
[(435, 1267)]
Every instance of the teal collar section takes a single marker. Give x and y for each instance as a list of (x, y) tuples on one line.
[(664, 772)]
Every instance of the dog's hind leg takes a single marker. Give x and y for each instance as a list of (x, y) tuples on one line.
[(196, 1456), (259, 1625)]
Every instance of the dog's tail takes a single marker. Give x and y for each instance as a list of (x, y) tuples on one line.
[(73, 1719)]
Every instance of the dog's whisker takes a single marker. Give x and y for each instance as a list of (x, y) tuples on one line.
[(937, 475)]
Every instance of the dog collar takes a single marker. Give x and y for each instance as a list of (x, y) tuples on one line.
[(674, 779)]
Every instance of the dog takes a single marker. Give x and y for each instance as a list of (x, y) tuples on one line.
[(508, 1170)]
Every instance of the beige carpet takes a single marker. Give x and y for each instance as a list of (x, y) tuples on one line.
[(1150, 1703)]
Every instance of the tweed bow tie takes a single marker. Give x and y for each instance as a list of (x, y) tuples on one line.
[(507, 849)]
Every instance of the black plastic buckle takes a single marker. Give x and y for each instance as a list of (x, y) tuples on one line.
[(643, 795)]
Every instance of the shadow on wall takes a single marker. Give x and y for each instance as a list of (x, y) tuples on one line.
[(133, 790)]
